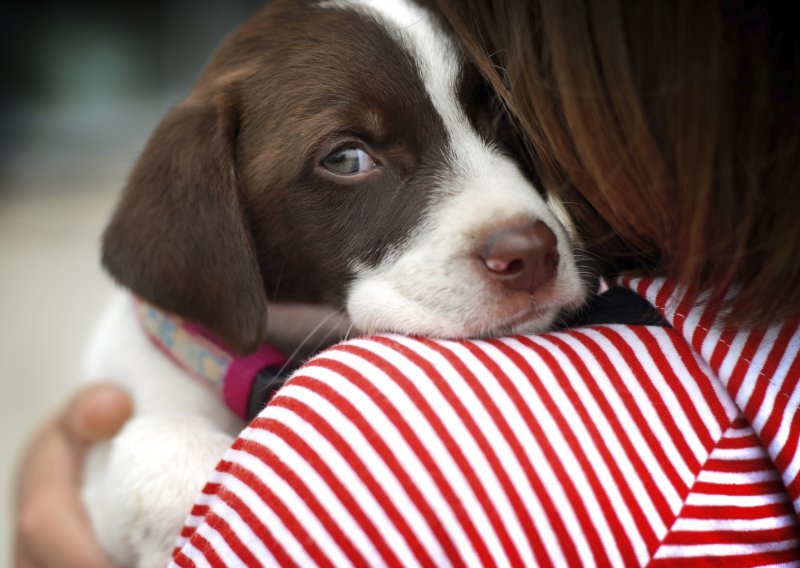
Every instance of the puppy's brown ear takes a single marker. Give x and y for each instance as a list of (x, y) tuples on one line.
[(179, 237)]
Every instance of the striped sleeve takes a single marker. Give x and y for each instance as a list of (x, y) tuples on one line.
[(759, 368), (608, 445)]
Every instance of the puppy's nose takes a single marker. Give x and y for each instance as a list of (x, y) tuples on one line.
[(524, 258)]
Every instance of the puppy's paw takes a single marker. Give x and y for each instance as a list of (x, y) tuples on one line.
[(140, 486)]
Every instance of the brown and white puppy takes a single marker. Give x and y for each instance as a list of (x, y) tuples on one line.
[(336, 153)]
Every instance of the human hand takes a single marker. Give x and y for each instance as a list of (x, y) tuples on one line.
[(52, 527)]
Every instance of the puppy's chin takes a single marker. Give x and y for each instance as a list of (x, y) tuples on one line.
[(407, 317), (527, 323)]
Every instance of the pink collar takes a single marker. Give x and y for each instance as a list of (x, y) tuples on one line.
[(203, 356)]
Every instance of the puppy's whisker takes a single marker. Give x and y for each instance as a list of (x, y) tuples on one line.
[(299, 348), (324, 340), (278, 282)]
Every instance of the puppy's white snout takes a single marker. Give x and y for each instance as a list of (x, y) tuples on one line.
[(522, 258)]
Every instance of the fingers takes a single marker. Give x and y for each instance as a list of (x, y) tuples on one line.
[(96, 413), (52, 526), (23, 559), (54, 532)]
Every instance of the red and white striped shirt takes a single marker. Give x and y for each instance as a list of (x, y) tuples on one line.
[(601, 445)]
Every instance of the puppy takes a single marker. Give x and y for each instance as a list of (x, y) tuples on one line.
[(340, 154)]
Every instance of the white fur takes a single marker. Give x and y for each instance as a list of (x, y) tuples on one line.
[(435, 284)]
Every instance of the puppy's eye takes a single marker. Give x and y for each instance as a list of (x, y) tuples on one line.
[(349, 161)]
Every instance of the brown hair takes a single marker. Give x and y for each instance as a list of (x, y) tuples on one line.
[(671, 130)]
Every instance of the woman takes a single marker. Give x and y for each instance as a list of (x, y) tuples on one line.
[(670, 130)]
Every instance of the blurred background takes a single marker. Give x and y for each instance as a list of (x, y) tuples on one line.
[(83, 84)]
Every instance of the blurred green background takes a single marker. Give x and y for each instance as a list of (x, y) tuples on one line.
[(84, 80)]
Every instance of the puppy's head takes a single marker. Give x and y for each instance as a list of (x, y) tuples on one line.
[(340, 153)]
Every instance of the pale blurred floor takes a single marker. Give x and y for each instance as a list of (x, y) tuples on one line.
[(53, 208), (51, 291), (91, 83)]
